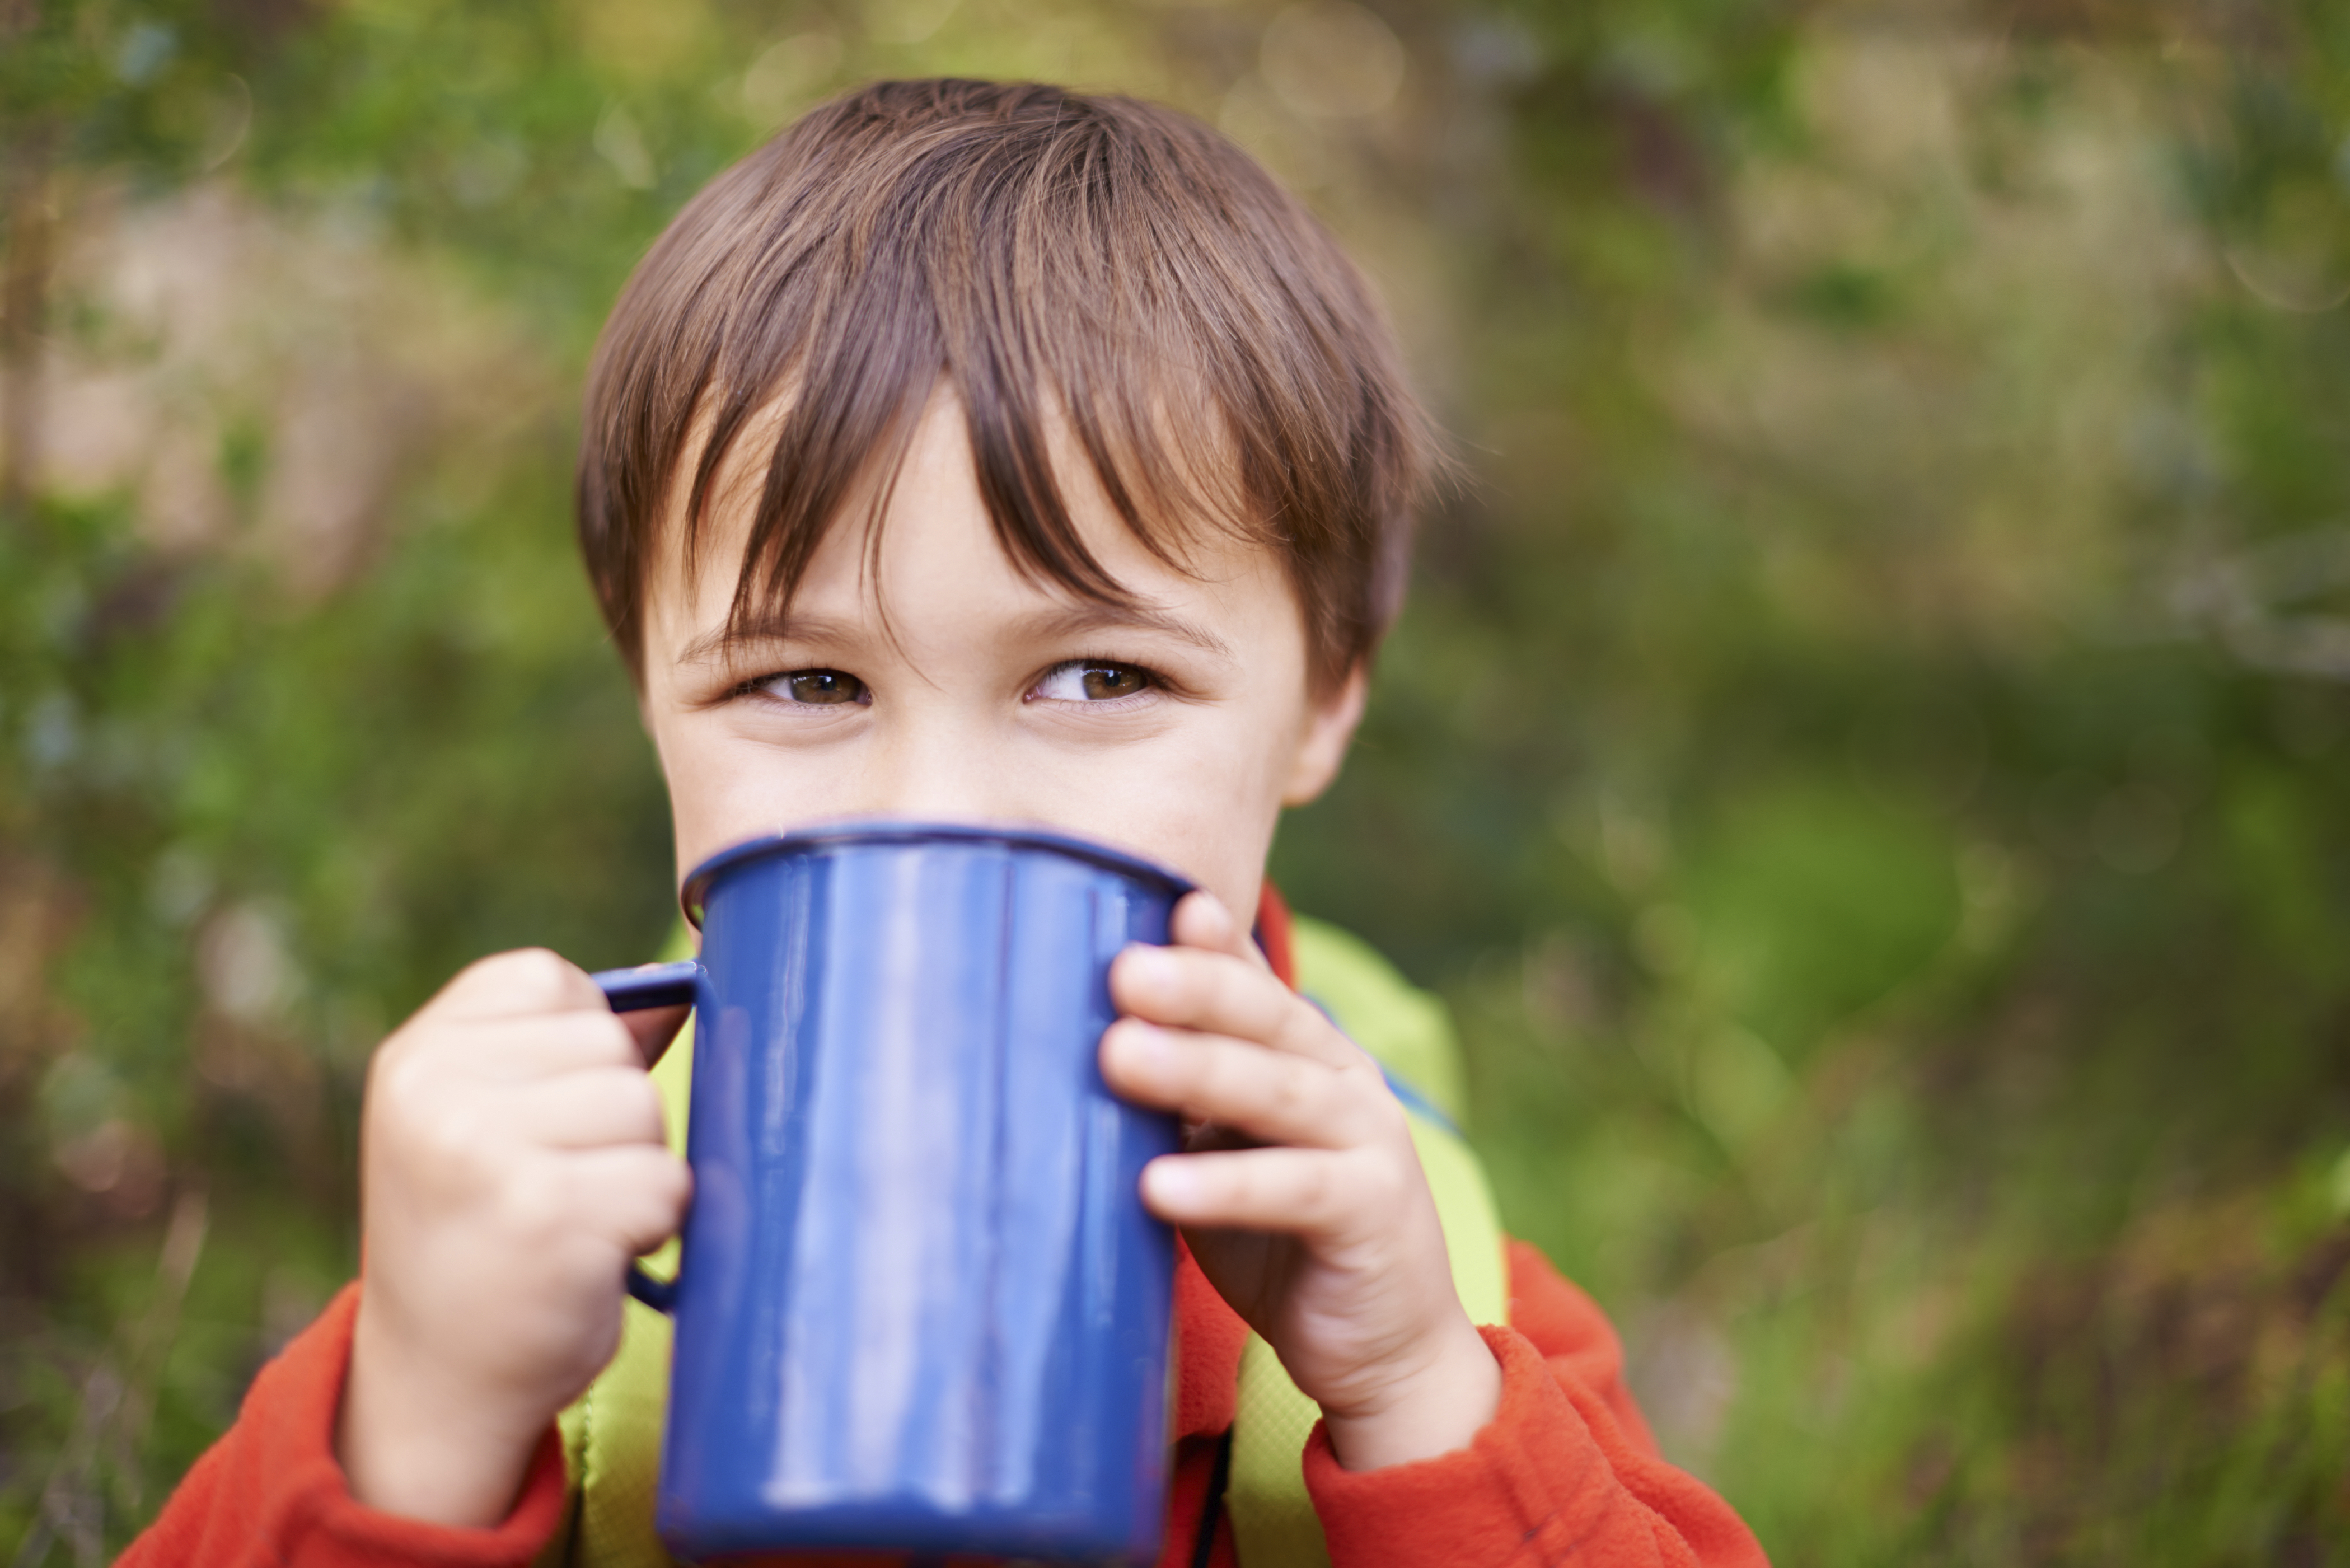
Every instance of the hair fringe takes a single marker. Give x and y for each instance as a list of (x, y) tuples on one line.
[(1093, 266)]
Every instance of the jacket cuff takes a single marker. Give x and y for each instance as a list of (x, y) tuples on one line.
[(355, 1534), (1529, 1488), (326, 1527)]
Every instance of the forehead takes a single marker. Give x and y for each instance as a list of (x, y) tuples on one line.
[(917, 531)]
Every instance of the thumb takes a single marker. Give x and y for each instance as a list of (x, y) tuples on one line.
[(1202, 921)]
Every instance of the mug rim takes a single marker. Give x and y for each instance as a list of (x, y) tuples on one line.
[(896, 830)]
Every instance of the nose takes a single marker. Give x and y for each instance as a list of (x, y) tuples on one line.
[(937, 762)]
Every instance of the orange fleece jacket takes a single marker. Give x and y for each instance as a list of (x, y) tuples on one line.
[(1564, 1473)]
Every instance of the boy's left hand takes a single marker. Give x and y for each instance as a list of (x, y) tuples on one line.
[(1300, 1193)]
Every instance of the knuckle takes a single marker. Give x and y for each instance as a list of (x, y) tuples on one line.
[(594, 1040), (611, 1040), (407, 1095), (406, 1053), (1304, 1027), (1241, 994), (1318, 1188), (582, 1261), (1231, 1182), (1297, 1097), (535, 977), (1186, 992), (542, 973), (534, 1206), (449, 1154), (1385, 1184), (1201, 1072), (450, 1135), (641, 1101), (389, 1074)]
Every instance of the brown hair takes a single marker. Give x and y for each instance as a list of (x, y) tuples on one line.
[(1107, 262)]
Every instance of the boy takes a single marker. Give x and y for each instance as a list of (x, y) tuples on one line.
[(982, 453)]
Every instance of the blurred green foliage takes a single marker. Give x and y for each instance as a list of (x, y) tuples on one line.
[(1866, 759)]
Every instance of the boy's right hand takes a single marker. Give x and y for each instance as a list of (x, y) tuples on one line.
[(512, 1165)]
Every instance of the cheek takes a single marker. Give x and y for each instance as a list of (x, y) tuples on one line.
[(695, 791), (1215, 809), (718, 796)]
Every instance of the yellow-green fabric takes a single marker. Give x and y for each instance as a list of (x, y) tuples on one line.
[(1274, 1522), (612, 1436), (1407, 1030)]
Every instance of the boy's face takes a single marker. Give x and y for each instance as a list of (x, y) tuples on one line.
[(962, 690)]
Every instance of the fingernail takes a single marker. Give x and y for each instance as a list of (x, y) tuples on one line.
[(1169, 1180), (1212, 904), (1152, 965), (1146, 1040)]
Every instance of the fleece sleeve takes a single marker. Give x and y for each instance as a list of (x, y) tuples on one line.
[(1565, 1473), (270, 1493)]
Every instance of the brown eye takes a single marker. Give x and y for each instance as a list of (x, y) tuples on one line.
[(1107, 680), (1093, 681), (818, 686)]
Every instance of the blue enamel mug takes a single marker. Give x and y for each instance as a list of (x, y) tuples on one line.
[(920, 1308)]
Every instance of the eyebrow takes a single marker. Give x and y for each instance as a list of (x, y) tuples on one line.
[(1074, 620), (1078, 620), (765, 626)]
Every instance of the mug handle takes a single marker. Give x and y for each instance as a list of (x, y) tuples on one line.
[(631, 990)]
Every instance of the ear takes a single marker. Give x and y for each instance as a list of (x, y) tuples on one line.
[(1330, 721)]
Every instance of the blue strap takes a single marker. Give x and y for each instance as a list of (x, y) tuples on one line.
[(1417, 1103), (1420, 1104)]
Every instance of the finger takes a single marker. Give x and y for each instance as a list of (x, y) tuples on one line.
[(654, 1029), (598, 1108), (1272, 1097), (1298, 1192), (1203, 920), (1219, 994), (634, 1194), (517, 1050), (530, 981), (448, 1086)]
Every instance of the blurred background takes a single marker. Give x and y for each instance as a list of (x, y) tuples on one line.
[(1867, 759)]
